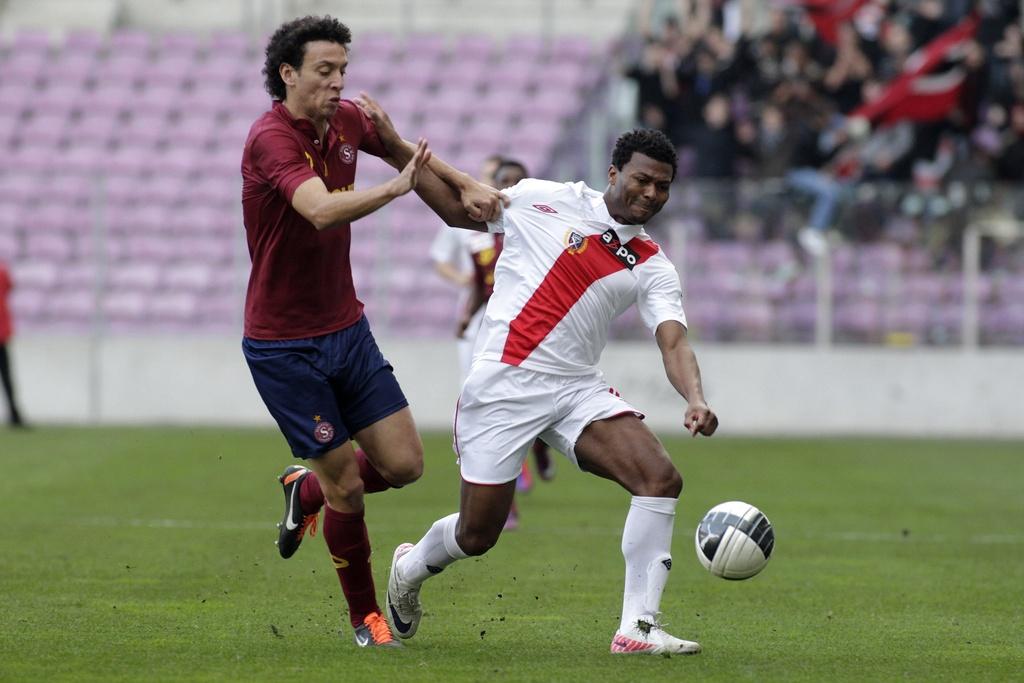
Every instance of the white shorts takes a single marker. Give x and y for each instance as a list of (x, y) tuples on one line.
[(504, 408)]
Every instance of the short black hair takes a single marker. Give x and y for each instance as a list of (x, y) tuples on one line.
[(512, 163), (288, 46), (646, 141)]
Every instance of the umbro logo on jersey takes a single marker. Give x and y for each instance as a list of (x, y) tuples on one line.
[(626, 256), (544, 207)]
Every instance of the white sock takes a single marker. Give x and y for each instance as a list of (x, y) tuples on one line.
[(646, 546), (435, 551)]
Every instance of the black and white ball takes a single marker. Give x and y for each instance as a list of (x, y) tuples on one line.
[(734, 540)]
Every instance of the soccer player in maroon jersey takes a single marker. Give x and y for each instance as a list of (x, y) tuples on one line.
[(573, 259), (308, 346)]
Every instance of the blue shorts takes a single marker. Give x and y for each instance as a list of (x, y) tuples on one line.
[(322, 390)]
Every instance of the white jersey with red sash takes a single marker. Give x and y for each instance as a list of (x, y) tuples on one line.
[(567, 269)]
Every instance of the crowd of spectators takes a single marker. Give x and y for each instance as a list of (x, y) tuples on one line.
[(755, 90)]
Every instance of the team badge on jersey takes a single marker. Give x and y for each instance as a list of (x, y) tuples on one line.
[(544, 207), (575, 243), (347, 153)]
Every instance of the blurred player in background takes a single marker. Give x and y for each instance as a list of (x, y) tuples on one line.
[(310, 350), (6, 330), (573, 259)]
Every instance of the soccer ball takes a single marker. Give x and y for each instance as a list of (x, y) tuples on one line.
[(734, 540)]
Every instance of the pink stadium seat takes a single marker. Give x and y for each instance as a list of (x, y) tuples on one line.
[(370, 44), (578, 49), (225, 71), (485, 133), (152, 248), (135, 220), (880, 258), (83, 42), (172, 69), (906, 317), (27, 67), (859, 320), (513, 77), (123, 67), (925, 288), (126, 161), (209, 98), (229, 42), (474, 48), (71, 68), (527, 46), (33, 156), (795, 320), (165, 191), (35, 274), (190, 277), (158, 98), (113, 97), (776, 255), (145, 129), (173, 306), (94, 129), (183, 43), (72, 305), (125, 306), (28, 305), (136, 275), (425, 46), (49, 247), (204, 249), (130, 41), (56, 216), (77, 275), (8, 246)]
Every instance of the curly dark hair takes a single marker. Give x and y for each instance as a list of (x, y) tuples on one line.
[(288, 46), (652, 143)]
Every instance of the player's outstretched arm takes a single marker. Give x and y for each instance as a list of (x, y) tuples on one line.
[(329, 209), (456, 197), (684, 374)]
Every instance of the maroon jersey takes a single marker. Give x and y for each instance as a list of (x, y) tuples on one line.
[(485, 249), (301, 279)]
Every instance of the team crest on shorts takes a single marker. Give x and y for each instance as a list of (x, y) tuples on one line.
[(575, 243), (347, 153), (324, 431)]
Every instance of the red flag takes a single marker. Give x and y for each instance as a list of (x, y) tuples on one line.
[(930, 84), (827, 15)]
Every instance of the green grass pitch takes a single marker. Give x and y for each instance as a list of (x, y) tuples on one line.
[(147, 554)]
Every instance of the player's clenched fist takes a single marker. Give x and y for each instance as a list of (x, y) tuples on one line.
[(700, 419)]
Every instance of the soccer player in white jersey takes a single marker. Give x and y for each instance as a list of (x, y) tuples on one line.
[(573, 260)]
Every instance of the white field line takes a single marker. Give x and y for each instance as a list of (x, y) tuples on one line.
[(850, 536)]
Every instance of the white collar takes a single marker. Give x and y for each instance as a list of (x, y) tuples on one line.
[(600, 213)]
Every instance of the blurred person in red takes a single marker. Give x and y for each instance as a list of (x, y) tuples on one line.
[(6, 330)]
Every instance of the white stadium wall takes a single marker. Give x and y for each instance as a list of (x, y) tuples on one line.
[(756, 390)]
